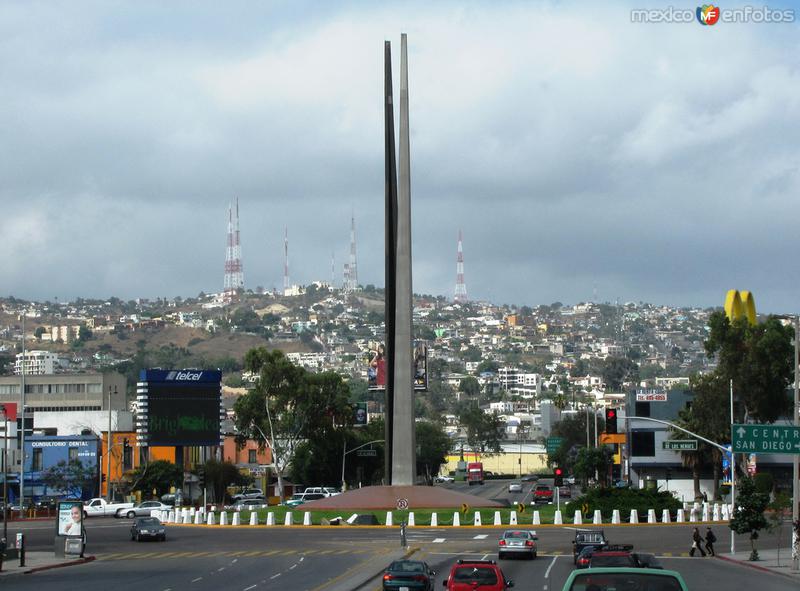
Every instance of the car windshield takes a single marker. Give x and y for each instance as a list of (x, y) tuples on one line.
[(149, 521), (407, 566), (628, 581), (475, 574), (590, 538), (516, 534)]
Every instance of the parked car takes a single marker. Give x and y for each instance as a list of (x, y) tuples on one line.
[(248, 493), (515, 487), (143, 509), (407, 575), (587, 537), (625, 578), (327, 491), (444, 478), (476, 575), (517, 542), (145, 528), (99, 507), (530, 478), (300, 498), (249, 504)]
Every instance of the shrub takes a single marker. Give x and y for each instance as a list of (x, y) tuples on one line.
[(624, 499)]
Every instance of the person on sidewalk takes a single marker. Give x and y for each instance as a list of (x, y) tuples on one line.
[(697, 543), (710, 539)]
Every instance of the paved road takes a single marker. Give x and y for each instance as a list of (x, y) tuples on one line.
[(252, 559)]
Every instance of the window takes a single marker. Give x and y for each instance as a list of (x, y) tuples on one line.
[(643, 443), (37, 460), (73, 454), (251, 456), (642, 409)]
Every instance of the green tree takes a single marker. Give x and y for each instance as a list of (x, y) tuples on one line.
[(759, 359), (488, 365), (483, 430), (221, 475), (433, 444), (289, 406), (72, 478), (158, 476), (469, 387), (748, 516), (617, 370), (593, 460)]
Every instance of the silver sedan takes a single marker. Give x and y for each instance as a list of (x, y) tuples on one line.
[(144, 509), (517, 542)]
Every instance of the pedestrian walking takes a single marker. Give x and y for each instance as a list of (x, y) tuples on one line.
[(710, 539), (697, 543)]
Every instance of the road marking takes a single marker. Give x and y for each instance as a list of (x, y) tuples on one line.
[(220, 569), (547, 572), (197, 579), (232, 561), (294, 566), (302, 558), (439, 540), (246, 588), (485, 556), (275, 576), (481, 537)]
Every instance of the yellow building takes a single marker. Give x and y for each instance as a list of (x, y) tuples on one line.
[(508, 462)]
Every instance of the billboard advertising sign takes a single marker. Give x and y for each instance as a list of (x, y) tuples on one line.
[(360, 413), (376, 366), (182, 407), (70, 518), (651, 396)]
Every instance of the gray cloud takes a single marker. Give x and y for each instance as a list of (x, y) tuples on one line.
[(578, 151)]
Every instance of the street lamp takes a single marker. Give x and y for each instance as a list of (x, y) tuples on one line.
[(5, 471), (346, 451)]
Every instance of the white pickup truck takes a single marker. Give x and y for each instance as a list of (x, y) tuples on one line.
[(100, 507)]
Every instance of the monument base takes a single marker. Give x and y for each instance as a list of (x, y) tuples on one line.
[(400, 497)]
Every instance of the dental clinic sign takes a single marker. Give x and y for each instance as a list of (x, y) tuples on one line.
[(766, 439)]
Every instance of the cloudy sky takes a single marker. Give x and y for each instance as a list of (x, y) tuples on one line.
[(585, 157)]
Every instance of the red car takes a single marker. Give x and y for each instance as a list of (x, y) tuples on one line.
[(476, 575)]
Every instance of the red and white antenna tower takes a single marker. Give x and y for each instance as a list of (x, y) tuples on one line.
[(351, 274), (461, 287), (285, 259), (234, 275)]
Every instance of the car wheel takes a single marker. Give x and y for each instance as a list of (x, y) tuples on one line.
[(533, 556), (164, 538), (85, 515), (131, 514)]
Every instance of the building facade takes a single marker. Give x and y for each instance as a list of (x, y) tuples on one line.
[(36, 363)]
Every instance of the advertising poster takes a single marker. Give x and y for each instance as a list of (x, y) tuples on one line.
[(376, 366), (360, 416), (70, 518), (726, 466)]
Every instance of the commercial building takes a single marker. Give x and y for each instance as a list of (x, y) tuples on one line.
[(66, 392), (44, 454), (36, 363)]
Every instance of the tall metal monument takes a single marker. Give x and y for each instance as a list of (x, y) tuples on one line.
[(234, 274), (399, 287)]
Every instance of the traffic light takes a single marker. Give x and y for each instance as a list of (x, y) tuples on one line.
[(611, 420), (559, 479), (201, 476)]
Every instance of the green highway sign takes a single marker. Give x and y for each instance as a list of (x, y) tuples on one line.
[(766, 439), (553, 443), (367, 453), (680, 444)]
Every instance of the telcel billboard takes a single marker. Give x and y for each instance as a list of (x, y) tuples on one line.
[(179, 407)]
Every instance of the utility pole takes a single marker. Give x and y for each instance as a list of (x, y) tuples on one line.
[(22, 421), (108, 447)]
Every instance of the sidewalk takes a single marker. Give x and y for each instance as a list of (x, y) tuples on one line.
[(768, 562), (38, 561)]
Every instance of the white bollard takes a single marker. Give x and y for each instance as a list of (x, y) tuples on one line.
[(270, 518), (651, 516), (680, 517), (726, 514), (288, 519), (213, 508), (389, 520), (210, 520), (578, 518), (411, 520), (665, 516), (634, 516), (497, 520), (693, 515), (223, 518), (705, 512), (187, 519), (598, 517), (557, 518), (715, 514), (456, 520), (512, 519), (306, 518), (237, 520), (253, 518), (615, 517), (434, 519), (477, 519), (198, 518), (537, 519), (192, 511)]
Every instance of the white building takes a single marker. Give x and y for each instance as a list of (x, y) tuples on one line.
[(36, 363)]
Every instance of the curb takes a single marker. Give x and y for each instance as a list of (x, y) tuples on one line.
[(45, 567), (758, 567), (450, 526)]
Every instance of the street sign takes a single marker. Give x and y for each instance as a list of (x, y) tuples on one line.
[(520, 508), (367, 453), (766, 439), (464, 508), (680, 444), (553, 443), (402, 504)]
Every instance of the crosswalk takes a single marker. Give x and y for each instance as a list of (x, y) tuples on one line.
[(237, 554)]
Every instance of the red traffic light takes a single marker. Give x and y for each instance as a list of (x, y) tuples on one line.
[(558, 472), (611, 413)]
